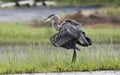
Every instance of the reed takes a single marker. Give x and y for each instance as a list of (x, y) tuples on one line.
[(46, 58), (87, 2), (110, 11)]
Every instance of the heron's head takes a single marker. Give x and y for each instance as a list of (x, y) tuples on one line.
[(52, 17)]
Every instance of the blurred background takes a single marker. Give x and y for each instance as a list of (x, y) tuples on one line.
[(25, 36)]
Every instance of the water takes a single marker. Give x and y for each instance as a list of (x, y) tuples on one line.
[(37, 13), (22, 50)]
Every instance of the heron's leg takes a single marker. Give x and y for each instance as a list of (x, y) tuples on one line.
[(74, 56)]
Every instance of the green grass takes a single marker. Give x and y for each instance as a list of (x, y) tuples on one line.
[(83, 2), (22, 33), (87, 2), (104, 35), (46, 58), (110, 11), (33, 58)]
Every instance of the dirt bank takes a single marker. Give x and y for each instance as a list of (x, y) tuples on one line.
[(88, 17)]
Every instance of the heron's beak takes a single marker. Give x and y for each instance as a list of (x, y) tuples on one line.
[(47, 19)]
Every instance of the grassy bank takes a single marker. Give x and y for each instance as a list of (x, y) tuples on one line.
[(110, 11), (23, 33), (104, 35), (87, 2), (41, 58)]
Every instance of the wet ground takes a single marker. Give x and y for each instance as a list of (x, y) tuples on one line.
[(114, 49), (77, 73), (34, 13)]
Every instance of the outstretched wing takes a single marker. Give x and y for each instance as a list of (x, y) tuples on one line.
[(61, 38)]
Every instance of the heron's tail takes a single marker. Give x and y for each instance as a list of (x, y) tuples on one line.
[(84, 41), (89, 40)]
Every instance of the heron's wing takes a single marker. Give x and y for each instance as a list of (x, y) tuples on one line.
[(61, 38), (71, 44), (73, 22)]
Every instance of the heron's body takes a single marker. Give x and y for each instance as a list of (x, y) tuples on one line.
[(69, 34)]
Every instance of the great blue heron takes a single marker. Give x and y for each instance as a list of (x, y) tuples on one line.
[(69, 34)]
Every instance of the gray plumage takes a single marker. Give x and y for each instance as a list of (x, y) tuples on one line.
[(69, 34)]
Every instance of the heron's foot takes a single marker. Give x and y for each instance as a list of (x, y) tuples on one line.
[(74, 56)]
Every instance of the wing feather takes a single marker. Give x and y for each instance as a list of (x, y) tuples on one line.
[(61, 38)]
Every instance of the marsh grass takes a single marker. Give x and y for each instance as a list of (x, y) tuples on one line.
[(110, 11), (46, 58), (103, 35), (22, 33), (33, 58), (86, 2)]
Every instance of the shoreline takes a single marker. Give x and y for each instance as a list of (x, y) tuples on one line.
[(106, 72)]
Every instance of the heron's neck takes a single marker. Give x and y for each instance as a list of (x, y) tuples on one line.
[(56, 24)]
